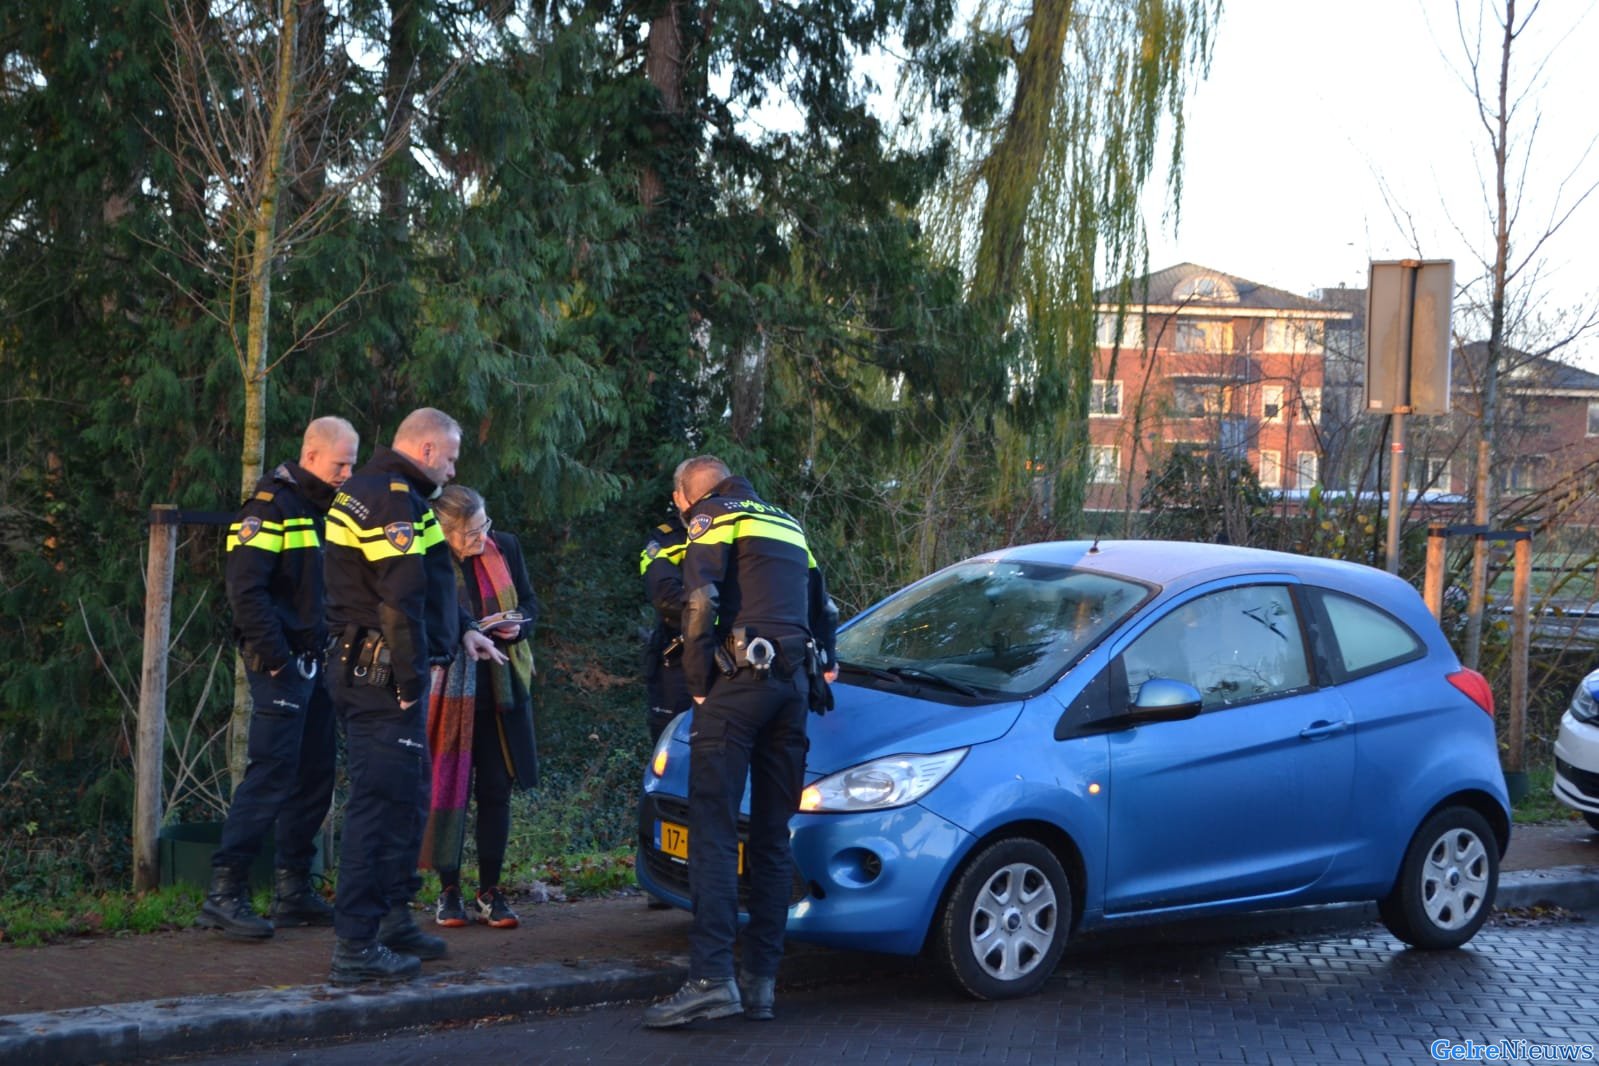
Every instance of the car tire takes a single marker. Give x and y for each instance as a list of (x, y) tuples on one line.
[(1591, 818), (1006, 921), (1447, 882)]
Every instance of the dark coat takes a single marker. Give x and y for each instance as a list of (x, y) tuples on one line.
[(518, 739)]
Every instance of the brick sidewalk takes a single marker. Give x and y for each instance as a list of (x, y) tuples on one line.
[(93, 971)]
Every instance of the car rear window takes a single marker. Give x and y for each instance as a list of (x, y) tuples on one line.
[(1365, 638)]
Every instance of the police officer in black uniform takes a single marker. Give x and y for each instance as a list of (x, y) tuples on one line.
[(394, 614), (758, 640), (274, 581), (661, 566)]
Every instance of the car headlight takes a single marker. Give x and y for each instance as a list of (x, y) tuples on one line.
[(892, 781), (663, 745), (1584, 708)]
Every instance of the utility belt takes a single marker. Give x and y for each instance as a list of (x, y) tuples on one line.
[(307, 663), (364, 656), (765, 656)]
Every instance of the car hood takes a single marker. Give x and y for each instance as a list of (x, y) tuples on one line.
[(868, 723)]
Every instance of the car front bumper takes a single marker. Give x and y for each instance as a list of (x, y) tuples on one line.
[(1577, 764), (867, 881)]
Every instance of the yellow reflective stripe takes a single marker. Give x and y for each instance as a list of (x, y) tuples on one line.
[(672, 553), (428, 531), (371, 543), (267, 542), (731, 527)]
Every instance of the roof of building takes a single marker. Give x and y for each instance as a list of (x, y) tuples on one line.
[(1523, 371), (1191, 284)]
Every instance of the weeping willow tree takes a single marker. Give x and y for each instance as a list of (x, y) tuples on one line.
[(1057, 111)]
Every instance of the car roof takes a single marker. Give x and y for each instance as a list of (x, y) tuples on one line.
[(1175, 565)]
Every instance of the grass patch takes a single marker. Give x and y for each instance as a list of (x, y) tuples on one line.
[(30, 921)]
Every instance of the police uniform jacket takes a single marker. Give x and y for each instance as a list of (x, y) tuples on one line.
[(274, 568), (661, 566), (747, 564), (389, 569)]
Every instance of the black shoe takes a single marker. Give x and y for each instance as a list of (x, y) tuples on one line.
[(227, 907), (296, 903), (759, 994), (355, 961), (702, 998), (399, 932)]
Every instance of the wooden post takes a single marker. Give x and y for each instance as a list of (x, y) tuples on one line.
[(1520, 634), (1432, 587), (147, 767)]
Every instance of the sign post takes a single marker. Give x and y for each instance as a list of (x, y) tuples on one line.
[(1408, 303)]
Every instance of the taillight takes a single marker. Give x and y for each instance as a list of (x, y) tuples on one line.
[(1475, 686)]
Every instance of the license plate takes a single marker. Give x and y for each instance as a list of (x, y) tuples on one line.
[(672, 839)]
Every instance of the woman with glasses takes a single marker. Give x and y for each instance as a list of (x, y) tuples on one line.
[(480, 721)]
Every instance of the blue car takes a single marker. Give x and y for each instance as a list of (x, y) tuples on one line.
[(1069, 736)]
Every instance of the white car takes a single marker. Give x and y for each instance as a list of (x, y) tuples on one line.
[(1577, 751)]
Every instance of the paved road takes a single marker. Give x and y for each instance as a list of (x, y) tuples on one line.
[(1355, 997)]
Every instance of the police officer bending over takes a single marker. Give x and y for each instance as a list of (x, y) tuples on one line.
[(394, 614), (758, 634), (661, 566), (274, 579)]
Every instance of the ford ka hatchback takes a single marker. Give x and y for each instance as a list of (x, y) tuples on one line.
[(1068, 736)]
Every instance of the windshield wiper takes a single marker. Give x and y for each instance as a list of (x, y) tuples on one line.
[(909, 675), (913, 673)]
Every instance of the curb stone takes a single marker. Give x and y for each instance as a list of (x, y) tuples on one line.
[(161, 1027)]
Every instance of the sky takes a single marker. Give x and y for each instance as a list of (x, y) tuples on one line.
[(1320, 122)]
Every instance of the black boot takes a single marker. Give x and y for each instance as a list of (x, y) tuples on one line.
[(355, 961), (759, 994), (400, 932), (227, 907), (296, 903), (698, 998)]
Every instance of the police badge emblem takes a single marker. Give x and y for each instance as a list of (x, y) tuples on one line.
[(697, 528), (248, 527), (399, 534), (652, 549)]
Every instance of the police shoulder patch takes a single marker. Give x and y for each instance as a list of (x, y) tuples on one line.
[(698, 526), (248, 527), (664, 528), (652, 549), (398, 485), (399, 534), (264, 495)]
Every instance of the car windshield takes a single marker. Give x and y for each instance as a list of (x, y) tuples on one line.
[(987, 627)]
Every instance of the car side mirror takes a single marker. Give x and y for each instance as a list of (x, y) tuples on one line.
[(1161, 699)]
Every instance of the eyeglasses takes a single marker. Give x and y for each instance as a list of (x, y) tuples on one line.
[(480, 531)]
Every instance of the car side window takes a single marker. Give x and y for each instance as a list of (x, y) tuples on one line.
[(1234, 646), (1365, 638)]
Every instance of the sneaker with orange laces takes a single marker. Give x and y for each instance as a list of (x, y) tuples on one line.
[(494, 910)]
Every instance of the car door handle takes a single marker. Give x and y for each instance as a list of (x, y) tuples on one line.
[(1317, 730)]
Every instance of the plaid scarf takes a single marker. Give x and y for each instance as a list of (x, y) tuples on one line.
[(452, 707)]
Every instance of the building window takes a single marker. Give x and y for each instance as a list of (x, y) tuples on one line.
[(1593, 418), (1105, 399), (1310, 403), (1132, 331), (1271, 469), (1205, 287), (1307, 470), (1521, 475), (1296, 336), (1197, 399), (1204, 336), (1430, 475), (1105, 463), (1271, 403)]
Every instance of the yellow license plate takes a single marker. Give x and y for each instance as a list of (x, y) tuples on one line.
[(672, 839)]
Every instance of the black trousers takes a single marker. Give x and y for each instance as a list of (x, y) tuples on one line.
[(288, 780), (491, 788), (752, 729), (390, 783)]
